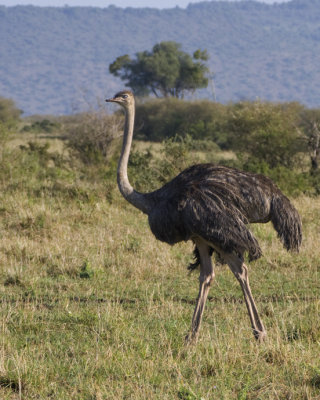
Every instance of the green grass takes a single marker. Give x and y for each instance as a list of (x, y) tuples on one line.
[(93, 307)]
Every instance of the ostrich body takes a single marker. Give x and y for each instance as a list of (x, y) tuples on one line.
[(211, 205)]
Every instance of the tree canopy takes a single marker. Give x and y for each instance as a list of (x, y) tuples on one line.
[(165, 71)]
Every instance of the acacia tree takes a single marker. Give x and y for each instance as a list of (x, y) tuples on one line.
[(165, 71)]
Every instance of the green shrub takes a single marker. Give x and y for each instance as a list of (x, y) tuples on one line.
[(176, 155), (34, 169), (266, 132), (91, 136), (44, 125), (4, 134), (9, 113), (148, 172), (41, 153), (142, 173), (159, 119)]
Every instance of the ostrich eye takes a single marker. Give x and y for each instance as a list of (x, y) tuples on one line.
[(124, 96)]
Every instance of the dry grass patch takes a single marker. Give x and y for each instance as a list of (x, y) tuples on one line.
[(93, 307)]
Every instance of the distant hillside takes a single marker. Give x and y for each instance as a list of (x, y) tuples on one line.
[(52, 60)]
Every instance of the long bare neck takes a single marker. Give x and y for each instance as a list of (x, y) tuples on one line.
[(135, 198)]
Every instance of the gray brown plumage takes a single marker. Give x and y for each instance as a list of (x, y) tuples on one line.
[(217, 203), (212, 206)]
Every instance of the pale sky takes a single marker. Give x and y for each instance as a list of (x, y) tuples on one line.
[(118, 3)]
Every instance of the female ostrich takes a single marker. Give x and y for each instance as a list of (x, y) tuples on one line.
[(211, 205)]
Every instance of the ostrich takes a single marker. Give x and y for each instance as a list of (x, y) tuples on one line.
[(211, 205)]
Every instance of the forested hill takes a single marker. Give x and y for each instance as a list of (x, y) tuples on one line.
[(52, 60)]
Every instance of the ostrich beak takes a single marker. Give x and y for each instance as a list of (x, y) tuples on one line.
[(110, 100)]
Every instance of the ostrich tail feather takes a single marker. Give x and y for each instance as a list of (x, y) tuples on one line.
[(286, 222)]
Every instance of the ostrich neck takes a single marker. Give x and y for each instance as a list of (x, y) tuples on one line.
[(135, 198)]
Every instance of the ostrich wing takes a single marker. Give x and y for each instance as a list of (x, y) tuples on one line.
[(210, 210), (220, 224)]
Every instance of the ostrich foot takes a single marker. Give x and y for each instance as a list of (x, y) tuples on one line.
[(191, 339), (260, 336)]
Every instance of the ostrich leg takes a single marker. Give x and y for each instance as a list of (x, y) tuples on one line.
[(240, 270), (205, 278)]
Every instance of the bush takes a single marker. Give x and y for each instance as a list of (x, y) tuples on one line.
[(9, 113), (91, 135), (44, 125), (266, 132), (41, 154), (176, 155), (160, 119), (147, 172), (310, 126), (4, 133)]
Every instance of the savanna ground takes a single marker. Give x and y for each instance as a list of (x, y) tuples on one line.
[(93, 307)]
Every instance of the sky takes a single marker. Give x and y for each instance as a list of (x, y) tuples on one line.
[(119, 3)]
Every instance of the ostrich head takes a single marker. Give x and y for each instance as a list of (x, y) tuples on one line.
[(124, 98)]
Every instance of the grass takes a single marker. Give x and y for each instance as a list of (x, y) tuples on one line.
[(93, 307)]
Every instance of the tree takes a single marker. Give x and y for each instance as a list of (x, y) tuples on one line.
[(165, 71)]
